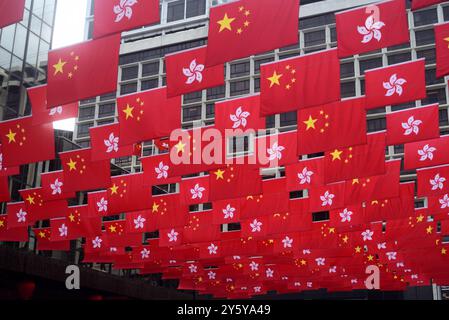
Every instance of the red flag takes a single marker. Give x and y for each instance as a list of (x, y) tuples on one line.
[(235, 28), (240, 113), (305, 174), (226, 211), (255, 227), (15, 234), (98, 204), (140, 222), (433, 181), (24, 143), (413, 125), (7, 171), (53, 187), (113, 16), (350, 216), (75, 225), (395, 84), (147, 115), (81, 173), (82, 71), (186, 72), (356, 162), (278, 149), (127, 193), (195, 190), (106, 143), (170, 237), (327, 197), (373, 27), (321, 128), (43, 236), (168, 211), (418, 4), (38, 209), (426, 153), (11, 12), (41, 115), (291, 84), (18, 216), (442, 49), (157, 170), (4, 189), (199, 228)]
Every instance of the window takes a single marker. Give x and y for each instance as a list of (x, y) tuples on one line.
[(128, 88), (425, 37), (216, 93), (239, 69), (149, 84), (83, 129), (429, 55), (239, 87), (175, 10), (130, 73), (182, 9), (106, 110), (444, 121), (320, 216), (398, 58), (435, 96), (193, 97), (425, 17), (238, 146), (370, 64), (195, 8), (86, 113), (288, 119), (446, 13), (314, 38), (150, 69), (348, 89), (316, 21), (191, 113), (347, 70), (377, 125), (257, 64), (399, 149), (210, 110)]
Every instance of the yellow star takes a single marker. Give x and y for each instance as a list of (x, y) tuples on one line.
[(128, 112), (429, 229), (420, 218), (345, 239), (331, 230), (354, 181), (274, 79), (336, 155), (2, 223), (155, 207), (42, 234), (30, 199), (447, 39), (303, 262), (225, 23), (443, 251), (59, 67), (219, 174), (370, 258), (310, 123), (180, 147), (112, 228), (114, 189), (358, 249), (72, 165), (11, 136)]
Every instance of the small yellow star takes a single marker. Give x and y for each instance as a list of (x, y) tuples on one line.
[(336, 155), (114, 189), (355, 181), (370, 258), (310, 123), (274, 79), (72, 165), (128, 112), (11, 136), (155, 207), (358, 249), (447, 39), (2, 223), (443, 251), (225, 23), (219, 174)]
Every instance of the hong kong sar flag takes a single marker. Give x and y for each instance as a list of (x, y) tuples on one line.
[(82, 71), (426, 153), (186, 72), (370, 28), (235, 29), (433, 181), (112, 16), (395, 84)]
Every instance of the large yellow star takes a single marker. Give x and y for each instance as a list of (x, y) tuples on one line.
[(11, 136), (114, 189), (447, 39), (274, 79), (72, 165), (155, 207), (128, 112), (30, 199), (336, 155), (71, 217), (59, 67), (42, 234), (225, 23), (112, 228), (219, 174), (310, 123), (180, 146), (2, 223)]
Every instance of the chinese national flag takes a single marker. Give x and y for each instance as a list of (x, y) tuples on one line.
[(44, 243), (11, 12), (113, 16), (7, 171), (234, 181), (53, 187), (426, 153), (80, 224), (199, 228), (327, 197), (395, 84), (147, 115), (433, 181), (38, 209), (305, 174), (117, 236), (235, 29), (361, 30), (240, 113), (127, 193), (168, 211), (321, 128), (186, 72), (413, 125), (24, 143), (41, 114), (82, 71), (106, 143), (418, 4), (291, 84), (81, 173), (442, 49), (12, 234)]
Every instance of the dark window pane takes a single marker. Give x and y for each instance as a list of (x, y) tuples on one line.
[(314, 38), (191, 113), (193, 97), (270, 122), (348, 89), (446, 13), (288, 119), (210, 110), (370, 64), (398, 58), (347, 70), (195, 8), (316, 21), (333, 34), (435, 96), (239, 69), (106, 110), (175, 11), (376, 125), (149, 84), (86, 113), (424, 37), (257, 84), (83, 129), (150, 69), (128, 88), (216, 93), (130, 73), (239, 87), (429, 55), (444, 120), (431, 77), (425, 17)]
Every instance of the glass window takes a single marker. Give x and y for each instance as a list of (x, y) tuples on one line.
[(444, 120), (239, 69), (398, 58), (270, 122), (83, 129), (425, 17), (435, 96), (86, 113), (7, 40), (370, 64), (49, 11), (399, 149), (256, 84), (129, 73), (316, 21), (210, 110), (149, 84), (431, 77), (446, 13), (193, 97), (175, 10), (314, 38), (195, 8), (429, 55), (38, 7), (347, 70), (46, 32), (216, 93), (288, 119), (191, 113), (108, 96), (36, 24), (377, 125), (5, 59), (150, 69), (20, 40), (348, 89), (105, 110), (425, 37), (33, 49), (257, 63), (333, 34), (239, 87), (128, 88)]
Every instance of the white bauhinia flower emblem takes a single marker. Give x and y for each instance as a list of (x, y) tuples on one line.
[(63, 230), (256, 226), (212, 249), (211, 275), (138, 222), (306, 251), (354, 281), (56, 187), (305, 176), (426, 153), (112, 249), (444, 201), (275, 152), (162, 170), (112, 143), (269, 273), (391, 255), (145, 253), (287, 242), (346, 215), (382, 246), (400, 265), (367, 235), (394, 86), (56, 110), (102, 205), (21, 216), (239, 118), (320, 261), (371, 29), (326, 199), (333, 269), (254, 266), (236, 257), (172, 236), (1, 161), (123, 9), (228, 212), (437, 182), (197, 191), (257, 289), (96, 243), (411, 126), (193, 268), (194, 72)]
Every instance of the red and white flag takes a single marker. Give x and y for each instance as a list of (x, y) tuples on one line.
[(427, 153), (433, 181)]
